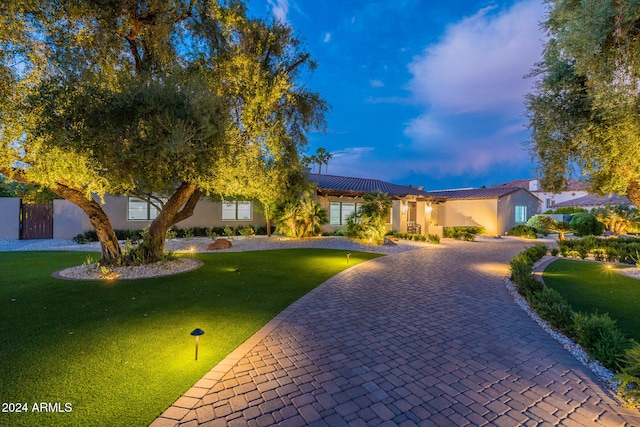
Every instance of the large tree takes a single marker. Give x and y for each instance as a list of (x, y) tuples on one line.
[(585, 109), (147, 98)]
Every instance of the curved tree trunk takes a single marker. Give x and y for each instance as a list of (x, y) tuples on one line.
[(179, 207), (110, 247), (633, 192)]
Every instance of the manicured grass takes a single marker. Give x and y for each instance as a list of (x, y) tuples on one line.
[(120, 352), (591, 287)]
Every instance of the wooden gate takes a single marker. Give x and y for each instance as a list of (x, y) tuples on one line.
[(36, 221)]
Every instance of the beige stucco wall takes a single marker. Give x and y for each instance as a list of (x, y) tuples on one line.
[(454, 213), (497, 216), (69, 220)]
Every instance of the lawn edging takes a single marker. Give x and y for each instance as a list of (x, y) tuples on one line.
[(527, 288)]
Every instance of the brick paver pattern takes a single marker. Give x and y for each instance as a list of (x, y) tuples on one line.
[(429, 337)]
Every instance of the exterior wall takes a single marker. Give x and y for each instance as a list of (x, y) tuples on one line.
[(558, 198), (507, 210), (455, 213), (68, 220), (10, 218)]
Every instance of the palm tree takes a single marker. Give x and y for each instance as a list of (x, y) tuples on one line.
[(322, 156), (560, 227)]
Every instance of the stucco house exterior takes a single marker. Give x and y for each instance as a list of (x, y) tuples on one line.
[(550, 201), (497, 209), (411, 210)]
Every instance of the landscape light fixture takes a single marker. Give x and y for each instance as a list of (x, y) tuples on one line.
[(196, 333), (348, 256)]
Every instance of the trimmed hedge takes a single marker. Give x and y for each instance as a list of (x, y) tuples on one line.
[(597, 333)]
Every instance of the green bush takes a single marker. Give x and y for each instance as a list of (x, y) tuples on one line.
[(550, 305), (586, 224), (80, 239), (434, 238), (463, 232), (522, 231), (541, 224), (246, 231), (629, 388), (601, 339)]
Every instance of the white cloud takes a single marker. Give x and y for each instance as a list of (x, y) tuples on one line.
[(376, 83), (480, 62), (327, 37), (470, 87), (280, 9)]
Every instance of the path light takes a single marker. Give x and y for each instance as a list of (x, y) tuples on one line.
[(196, 333), (348, 256)]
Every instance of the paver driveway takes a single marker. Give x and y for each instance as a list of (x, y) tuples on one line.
[(427, 337)]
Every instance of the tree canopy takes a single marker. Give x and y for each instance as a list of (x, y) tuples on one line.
[(584, 111), (149, 97)]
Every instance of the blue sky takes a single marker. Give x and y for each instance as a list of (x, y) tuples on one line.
[(422, 92)]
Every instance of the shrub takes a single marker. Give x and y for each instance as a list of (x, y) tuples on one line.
[(585, 224), (463, 232), (246, 231), (522, 231), (550, 305), (541, 224), (601, 339), (300, 218), (434, 238), (367, 224), (629, 379), (80, 239), (555, 252)]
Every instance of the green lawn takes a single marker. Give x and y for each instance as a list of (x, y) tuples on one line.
[(591, 287), (120, 352)]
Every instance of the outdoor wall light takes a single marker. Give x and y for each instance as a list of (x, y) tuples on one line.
[(428, 209), (196, 333)]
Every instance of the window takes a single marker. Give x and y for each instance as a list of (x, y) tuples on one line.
[(141, 210), (521, 214), (236, 211), (339, 211)]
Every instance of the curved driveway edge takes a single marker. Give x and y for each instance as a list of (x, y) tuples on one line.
[(427, 337)]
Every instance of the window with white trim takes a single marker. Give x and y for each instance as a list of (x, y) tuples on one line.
[(140, 210), (521, 214), (236, 211)]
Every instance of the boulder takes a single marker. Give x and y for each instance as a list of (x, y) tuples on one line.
[(219, 244)]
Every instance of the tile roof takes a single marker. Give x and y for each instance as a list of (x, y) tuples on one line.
[(595, 200), (344, 184), (572, 184), (477, 193)]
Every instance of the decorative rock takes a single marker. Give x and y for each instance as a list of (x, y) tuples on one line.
[(219, 244)]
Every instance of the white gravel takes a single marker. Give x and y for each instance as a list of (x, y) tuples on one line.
[(606, 375), (239, 244)]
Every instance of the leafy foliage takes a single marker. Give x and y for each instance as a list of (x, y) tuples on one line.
[(367, 224), (522, 230), (583, 113), (301, 218), (541, 224), (468, 233), (586, 224), (616, 219)]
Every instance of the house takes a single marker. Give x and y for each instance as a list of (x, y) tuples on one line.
[(497, 209), (411, 210), (574, 190), (592, 201), (132, 213)]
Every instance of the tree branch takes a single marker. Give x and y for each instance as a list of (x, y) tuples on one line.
[(187, 209)]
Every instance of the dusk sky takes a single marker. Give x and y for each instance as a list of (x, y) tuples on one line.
[(422, 92)]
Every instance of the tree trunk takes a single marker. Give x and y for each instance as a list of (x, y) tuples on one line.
[(179, 207), (633, 192), (110, 247)]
